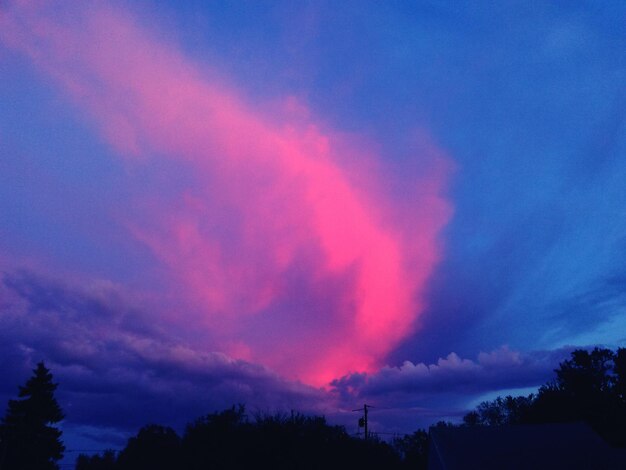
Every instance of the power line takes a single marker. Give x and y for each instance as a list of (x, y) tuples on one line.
[(89, 450)]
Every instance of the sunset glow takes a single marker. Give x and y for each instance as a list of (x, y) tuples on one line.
[(271, 200)]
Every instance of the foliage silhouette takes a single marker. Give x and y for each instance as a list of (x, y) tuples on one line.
[(508, 410), (104, 461), (279, 441), (589, 387), (28, 440), (154, 448), (229, 440), (413, 450)]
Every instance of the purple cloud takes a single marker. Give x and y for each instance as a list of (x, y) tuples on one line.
[(115, 368), (500, 369), (119, 370)]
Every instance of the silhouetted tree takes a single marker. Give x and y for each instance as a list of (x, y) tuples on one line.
[(154, 448), (413, 450), (501, 411), (589, 387), (472, 418), (295, 440), (215, 440), (586, 376), (29, 441), (584, 390), (229, 440), (443, 424), (308, 442), (104, 461), (619, 369)]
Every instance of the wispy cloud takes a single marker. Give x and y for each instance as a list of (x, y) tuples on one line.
[(286, 238)]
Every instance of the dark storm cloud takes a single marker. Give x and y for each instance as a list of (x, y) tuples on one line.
[(498, 370), (116, 370)]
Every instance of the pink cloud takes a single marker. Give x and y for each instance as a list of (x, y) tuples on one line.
[(287, 242)]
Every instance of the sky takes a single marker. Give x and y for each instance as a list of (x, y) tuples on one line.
[(306, 205)]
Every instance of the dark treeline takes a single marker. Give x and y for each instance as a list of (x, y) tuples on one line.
[(229, 439), (589, 387)]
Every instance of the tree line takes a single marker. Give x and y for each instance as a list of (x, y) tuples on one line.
[(589, 387), (229, 440)]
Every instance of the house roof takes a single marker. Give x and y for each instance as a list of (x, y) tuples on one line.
[(562, 445)]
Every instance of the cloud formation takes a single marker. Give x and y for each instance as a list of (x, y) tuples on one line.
[(500, 369), (117, 371), (114, 369), (284, 237)]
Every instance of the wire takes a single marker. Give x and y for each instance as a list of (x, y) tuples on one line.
[(89, 450)]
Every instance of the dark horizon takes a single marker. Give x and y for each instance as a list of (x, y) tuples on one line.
[(577, 419)]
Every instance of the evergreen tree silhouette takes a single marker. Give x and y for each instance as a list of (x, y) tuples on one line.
[(28, 439)]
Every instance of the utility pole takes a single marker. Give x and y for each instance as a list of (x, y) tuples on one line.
[(363, 420)]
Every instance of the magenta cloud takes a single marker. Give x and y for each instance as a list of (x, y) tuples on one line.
[(286, 240)]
